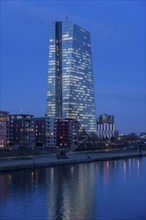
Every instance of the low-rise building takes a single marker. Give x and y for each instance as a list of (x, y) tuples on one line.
[(106, 127), (22, 130), (39, 127), (4, 129), (66, 132), (61, 132), (50, 132)]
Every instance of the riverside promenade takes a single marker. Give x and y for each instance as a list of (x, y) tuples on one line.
[(50, 160)]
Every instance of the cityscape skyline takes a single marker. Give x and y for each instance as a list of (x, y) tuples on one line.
[(116, 68)]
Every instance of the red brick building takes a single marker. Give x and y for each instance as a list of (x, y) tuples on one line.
[(66, 132), (61, 132)]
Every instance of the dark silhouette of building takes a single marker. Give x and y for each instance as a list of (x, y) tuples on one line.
[(22, 130)]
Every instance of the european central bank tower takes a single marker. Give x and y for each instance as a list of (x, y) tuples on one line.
[(70, 76)]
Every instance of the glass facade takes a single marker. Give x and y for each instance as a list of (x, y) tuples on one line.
[(70, 76)]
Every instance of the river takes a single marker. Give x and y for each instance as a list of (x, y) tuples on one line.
[(105, 190)]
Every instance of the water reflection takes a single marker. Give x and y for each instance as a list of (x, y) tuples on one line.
[(69, 192), (5, 182), (106, 172), (34, 177)]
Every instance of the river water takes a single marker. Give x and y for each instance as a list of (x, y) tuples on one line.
[(107, 190)]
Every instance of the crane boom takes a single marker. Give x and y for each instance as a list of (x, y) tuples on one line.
[(74, 147)]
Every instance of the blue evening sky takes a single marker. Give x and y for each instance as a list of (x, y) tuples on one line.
[(118, 44)]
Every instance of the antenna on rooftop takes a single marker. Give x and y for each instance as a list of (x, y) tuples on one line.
[(67, 16)]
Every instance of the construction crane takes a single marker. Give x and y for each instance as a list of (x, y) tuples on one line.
[(64, 155), (74, 147)]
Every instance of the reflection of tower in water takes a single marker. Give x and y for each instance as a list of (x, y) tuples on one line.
[(5, 182), (68, 191)]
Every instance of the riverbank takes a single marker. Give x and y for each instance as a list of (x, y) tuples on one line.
[(50, 160)]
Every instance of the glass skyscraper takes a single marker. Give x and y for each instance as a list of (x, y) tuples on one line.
[(70, 75)]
